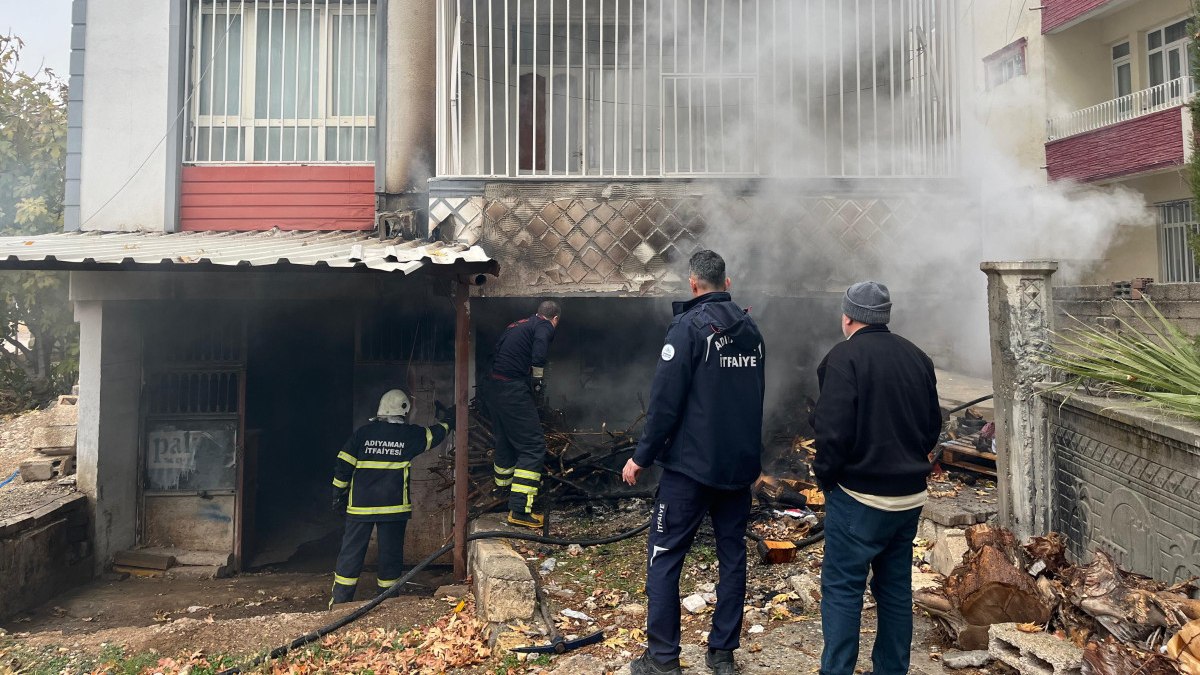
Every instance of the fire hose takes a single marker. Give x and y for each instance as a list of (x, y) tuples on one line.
[(395, 589)]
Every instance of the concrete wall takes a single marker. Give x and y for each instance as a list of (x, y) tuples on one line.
[(1134, 253), (1013, 113), (1180, 303), (126, 118), (108, 432), (1128, 483), (411, 91), (43, 552)]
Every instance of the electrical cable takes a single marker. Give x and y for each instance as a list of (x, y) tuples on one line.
[(395, 588), (11, 478)]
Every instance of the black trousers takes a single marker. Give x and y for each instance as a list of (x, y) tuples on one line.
[(354, 550), (679, 508), (520, 442)]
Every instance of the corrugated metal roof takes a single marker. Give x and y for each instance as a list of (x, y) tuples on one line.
[(243, 250)]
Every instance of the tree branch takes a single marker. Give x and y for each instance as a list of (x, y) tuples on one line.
[(17, 343)]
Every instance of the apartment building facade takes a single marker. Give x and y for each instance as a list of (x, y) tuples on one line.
[(1095, 92), (271, 204)]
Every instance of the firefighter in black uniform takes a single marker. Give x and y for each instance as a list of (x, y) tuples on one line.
[(514, 393), (370, 485), (704, 428)]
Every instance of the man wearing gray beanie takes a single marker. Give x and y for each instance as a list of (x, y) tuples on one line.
[(877, 419)]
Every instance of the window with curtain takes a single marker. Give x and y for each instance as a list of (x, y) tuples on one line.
[(282, 82)]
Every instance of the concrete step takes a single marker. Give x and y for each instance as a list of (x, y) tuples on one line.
[(192, 557), (199, 571)]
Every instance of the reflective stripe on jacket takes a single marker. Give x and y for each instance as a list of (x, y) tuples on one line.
[(374, 466)]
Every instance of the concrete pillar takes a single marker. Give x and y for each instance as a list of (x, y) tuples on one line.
[(1020, 310), (110, 369), (411, 104)]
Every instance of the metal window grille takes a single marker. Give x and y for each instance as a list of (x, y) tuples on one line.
[(696, 87), (281, 81), (1176, 224)]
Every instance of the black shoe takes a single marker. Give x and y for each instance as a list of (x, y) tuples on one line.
[(720, 661), (646, 665)]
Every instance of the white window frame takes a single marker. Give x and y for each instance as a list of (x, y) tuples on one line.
[(1117, 63), (1166, 48), (246, 122)]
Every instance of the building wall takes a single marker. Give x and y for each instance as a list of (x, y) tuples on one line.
[(123, 173), (1012, 115), (327, 197), (1135, 252), (110, 379)]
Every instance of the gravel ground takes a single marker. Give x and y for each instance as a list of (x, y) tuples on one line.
[(15, 434), (17, 497)]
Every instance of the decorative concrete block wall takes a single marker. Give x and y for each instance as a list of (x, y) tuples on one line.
[(1127, 482), (633, 238)]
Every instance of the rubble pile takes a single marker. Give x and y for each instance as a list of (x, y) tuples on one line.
[(53, 444), (1123, 620)]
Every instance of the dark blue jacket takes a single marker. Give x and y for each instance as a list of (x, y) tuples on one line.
[(522, 347), (706, 403)]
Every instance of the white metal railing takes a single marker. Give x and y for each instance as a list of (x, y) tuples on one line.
[(1176, 227), (281, 81), (577, 88), (1161, 97)]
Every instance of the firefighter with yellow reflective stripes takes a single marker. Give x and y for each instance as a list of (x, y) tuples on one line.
[(371, 486), (513, 394)]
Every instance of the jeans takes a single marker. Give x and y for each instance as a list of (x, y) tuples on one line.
[(859, 539)]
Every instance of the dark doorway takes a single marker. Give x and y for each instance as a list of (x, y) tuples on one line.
[(299, 411)]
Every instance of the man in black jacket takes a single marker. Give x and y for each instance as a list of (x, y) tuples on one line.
[(513, 394), (371, 486), (704, 428), (876, 422)]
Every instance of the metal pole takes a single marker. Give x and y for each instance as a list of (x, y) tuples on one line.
[(462, 360)]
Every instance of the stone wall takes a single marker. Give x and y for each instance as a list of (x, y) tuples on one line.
[(1095, 304), (1127, 482), (43, 552)]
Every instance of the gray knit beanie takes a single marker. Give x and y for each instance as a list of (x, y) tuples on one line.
[(868, 302)]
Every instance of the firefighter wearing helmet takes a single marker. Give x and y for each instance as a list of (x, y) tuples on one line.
[(371, 487)]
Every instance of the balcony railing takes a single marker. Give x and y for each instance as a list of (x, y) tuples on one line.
[(1161, 97)]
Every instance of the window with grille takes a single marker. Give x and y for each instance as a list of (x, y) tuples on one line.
[(281, 82), (1176, 225)]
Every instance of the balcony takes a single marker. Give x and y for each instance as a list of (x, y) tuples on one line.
[(1165, 96), (1133, 134)]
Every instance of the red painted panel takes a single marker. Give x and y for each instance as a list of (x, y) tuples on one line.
[(1143, 144), (260, 197), (1055, 13)]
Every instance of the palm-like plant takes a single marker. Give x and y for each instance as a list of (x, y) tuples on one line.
[(1146, 357)]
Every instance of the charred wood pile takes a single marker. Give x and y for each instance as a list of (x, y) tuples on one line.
[(581, 465), (1124, 621)]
